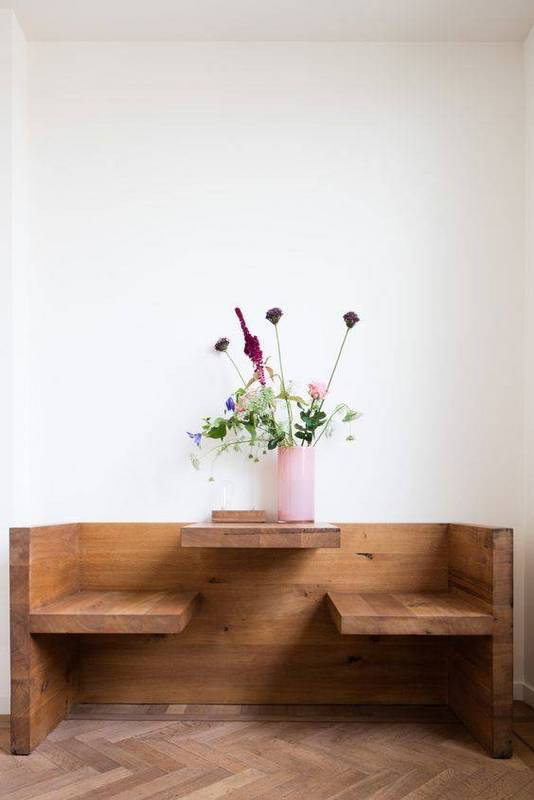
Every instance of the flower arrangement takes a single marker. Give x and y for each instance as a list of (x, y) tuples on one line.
[(253, 416)]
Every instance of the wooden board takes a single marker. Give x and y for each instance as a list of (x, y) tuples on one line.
[(263, 535), (238, 516), (116, 612), (44, 675), (415, 614), (375, 557), (383, 670), (288, 712), (481, 669), (264, 619)]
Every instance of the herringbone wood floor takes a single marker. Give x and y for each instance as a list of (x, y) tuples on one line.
[(171, 752)]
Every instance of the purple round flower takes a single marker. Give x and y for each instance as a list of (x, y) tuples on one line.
[(196, 437), (351, 318), (230, 404), (273, 315), (222, 344)]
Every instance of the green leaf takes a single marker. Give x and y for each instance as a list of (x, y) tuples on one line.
[(217, 431), (350, 416), (296, 399)]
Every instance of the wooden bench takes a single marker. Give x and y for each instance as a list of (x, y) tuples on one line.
[(110, 613), (419, 614), (116, 612)]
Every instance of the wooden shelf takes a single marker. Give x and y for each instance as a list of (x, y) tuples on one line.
[(116, 612), (262, 535), (432, 614)]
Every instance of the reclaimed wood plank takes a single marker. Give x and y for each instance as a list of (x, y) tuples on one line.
[(116, 612), (412, 614), (263, 618), (261, 535), (44, 675), (481, 670), (238, 516)]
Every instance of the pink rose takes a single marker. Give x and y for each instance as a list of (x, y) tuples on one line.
[(317, 390)]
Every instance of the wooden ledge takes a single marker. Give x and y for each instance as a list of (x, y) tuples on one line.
[(116, 612), (432, 614), (262, 535)]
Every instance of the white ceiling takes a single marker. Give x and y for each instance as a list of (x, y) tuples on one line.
[(275, 20)]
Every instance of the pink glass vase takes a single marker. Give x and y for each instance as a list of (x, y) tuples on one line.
[(296, 484)]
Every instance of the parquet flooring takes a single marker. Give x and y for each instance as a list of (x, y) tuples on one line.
[(274, 753)]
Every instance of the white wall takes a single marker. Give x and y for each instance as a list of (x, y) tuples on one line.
[(529, 372), (12, 236), (170, 182)]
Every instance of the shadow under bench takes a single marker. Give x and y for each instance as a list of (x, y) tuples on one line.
[(355, 614)]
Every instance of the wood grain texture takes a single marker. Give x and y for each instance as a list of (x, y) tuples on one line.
[(238, 516), (292, 712), (44, 675), (375, 557), (267, 753), (264, 634), (225, 670), (263, 618), (263, 535), (116, 612), (414, 614), (54, 563), (20, 642), (480, 671)]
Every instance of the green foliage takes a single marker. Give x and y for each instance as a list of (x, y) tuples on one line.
[(312, 418), (300, 401), (254, 421), (350, 416), (218, 430), (277, 439)]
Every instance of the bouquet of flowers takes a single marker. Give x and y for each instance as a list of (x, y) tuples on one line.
[(264, 413)]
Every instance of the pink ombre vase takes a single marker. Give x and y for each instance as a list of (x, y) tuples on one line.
[(296, 484)]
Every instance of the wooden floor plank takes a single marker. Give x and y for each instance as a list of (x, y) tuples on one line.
[(525, 731), (407, 754)]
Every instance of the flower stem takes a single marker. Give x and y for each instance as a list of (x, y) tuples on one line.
[(220, 448), (236, 367), (336, 410), (335, 366), (288, 404), (330, 380)]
